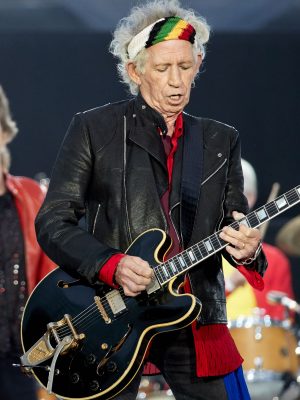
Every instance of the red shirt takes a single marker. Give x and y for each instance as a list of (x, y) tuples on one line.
[(216, 353)]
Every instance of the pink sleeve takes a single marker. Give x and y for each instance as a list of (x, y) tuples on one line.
[(106, 274)]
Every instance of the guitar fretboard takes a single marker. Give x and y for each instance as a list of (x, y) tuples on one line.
[(188, 258)]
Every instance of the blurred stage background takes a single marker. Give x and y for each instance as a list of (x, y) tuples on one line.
[(54, 62)]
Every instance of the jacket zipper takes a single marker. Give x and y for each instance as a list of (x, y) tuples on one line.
[(95, 219), (165, 220), (170, 215), (212, 174)]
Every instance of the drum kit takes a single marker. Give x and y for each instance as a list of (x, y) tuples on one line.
[(271, 355)]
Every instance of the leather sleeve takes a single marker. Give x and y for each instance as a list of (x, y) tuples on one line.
[(57, 223)]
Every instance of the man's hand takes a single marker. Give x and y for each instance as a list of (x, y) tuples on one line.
[(133, 274), (242, 243)]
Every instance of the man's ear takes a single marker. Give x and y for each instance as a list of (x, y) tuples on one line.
[(133, 73), (198, 63)]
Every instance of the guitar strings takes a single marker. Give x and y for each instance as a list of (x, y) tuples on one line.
[(90, 310), (85, 316), (78, 319), (84, 322), (84, 312), (87, 321)]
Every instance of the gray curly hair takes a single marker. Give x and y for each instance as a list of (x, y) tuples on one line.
[(142, 16)]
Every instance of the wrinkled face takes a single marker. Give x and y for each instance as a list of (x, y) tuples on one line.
[(167, 76)]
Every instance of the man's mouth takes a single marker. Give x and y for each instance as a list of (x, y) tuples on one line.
[(175, 96)]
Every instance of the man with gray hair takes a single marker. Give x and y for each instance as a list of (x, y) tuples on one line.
[(144, 163)]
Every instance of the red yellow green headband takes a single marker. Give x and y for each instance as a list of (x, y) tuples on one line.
[(169, 28)]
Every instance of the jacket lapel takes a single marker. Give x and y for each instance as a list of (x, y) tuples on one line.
[(176, 176), (192, 170), (150, 142)]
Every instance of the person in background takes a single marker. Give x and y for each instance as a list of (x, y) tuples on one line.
[(242, 298), (121, 166), (22, 262)]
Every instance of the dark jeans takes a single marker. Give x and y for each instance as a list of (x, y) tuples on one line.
[(173, 353), (14, 385)]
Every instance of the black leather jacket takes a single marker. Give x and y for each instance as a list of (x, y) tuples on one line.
[(111, 169)]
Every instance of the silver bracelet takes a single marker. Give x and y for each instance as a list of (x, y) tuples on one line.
[(250, 259)]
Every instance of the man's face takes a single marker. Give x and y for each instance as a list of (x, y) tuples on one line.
[(168, 74)]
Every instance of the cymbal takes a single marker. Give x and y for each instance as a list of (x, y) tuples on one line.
[(288, 237)]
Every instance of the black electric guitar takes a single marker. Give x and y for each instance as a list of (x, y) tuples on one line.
[(82, 345)]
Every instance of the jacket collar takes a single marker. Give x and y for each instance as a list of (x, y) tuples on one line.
[(145, 128), (150, 114)]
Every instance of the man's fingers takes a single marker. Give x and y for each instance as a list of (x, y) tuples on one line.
[(128, 292), (133, 287), (137, 266), (242, 242), (237, 215), (237, 240), (133, 274), (236, 253)]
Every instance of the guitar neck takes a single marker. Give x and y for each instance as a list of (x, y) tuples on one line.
[(193, 255)]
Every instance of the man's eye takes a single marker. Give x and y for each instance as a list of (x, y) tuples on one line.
[(184, 67), (161, 69)]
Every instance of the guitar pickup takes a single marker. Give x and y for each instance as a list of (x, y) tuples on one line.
[(116, 302)]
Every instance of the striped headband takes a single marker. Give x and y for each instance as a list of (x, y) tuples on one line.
[(168, 28)]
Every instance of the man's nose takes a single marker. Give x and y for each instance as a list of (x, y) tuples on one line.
[(175, 77)]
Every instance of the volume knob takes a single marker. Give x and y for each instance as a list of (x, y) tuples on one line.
[(91, 359), (75, 378), (111, 366), (94, 385)]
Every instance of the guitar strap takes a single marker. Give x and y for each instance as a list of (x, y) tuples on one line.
[(192, 169)]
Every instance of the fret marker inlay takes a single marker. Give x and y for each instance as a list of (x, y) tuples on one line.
[(208, 245), (261, 214), (281, 202), (173, 266), (244, 222), (181, 261)]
